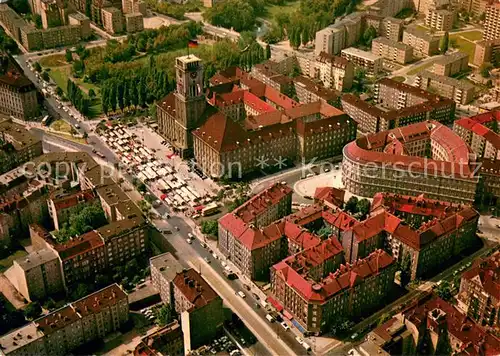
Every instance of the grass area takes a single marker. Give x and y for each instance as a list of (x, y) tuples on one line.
[(60, 76), (61, 125), (399, 79), (464, 45), (69, 137), (420, 68), (273, 10), (472, 35), (55, 60), (9, 260)]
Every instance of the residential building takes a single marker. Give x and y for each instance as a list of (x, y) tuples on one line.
[(18, 95), (168, 340), (398, 105), (329, 196), (308, 91), (200, 307), (181, 112), (134, 22), (17, 145), (479, 133), (246, 236), (433, 232), (440, 19), (133, 7), (368, 61), (487, 51), (386, 8), (79, 19), (489, 184), (65, 329), (423, 43), (479, 295), (440, 323), (265, 73), (492, 22), (333, 293), (112, 20), (475, 7), (449, 65), (164, 268), (462, 92), (392, 28), (400, 159), (335, 72), (37, 275), (342, 34), (392, 50)]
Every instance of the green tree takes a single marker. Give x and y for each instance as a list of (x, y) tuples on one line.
[(79, 292), (368, 36), (485, 69), (236, 14), (444, 290), (59, 91), (92, 94), (405, 268), (325, 231), (445, 42), (385, 317), (32, 310), (37, 67), (268, 51), (210, 227), (363, 208), (20, 6), (352, 205), (37, 19), (165, 315), (45, 76)]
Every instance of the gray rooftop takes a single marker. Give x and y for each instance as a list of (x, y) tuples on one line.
[(446, 80), (388, 42), (35, 259), (167, 264), (19, 338)]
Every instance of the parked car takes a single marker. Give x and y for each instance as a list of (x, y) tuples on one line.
[(285, 326), (207, 260), (189, 241), (241, 294)]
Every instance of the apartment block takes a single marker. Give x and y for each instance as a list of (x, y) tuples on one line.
[(434, 140), (392, 28), (18, 95), (386, 8), (112, 20), (17, 145), (333, 293), (65, 329), (335, 72), (399, 105), (460, 91), (479, 295), (477, 131), (60, 205), (134, 22), (168, 340), (449, 65), (37, 275), (164, 268), (439, 231), (200, 307), (344, 33), (370, 62), (487, 52), (79, 19), (394, 51), (309, 91), (440, 19), (492, 22), (423, 43)]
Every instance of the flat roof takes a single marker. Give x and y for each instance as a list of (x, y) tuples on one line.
[(167, 265), (360, 53), (35, 259), (19, 338)]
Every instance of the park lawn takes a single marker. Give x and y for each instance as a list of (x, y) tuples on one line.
[(399, 79), (60, 76), (56, 60), (9, 260), (61, 125), (420, 68), (464, 45), (273, 10), (472, 35)]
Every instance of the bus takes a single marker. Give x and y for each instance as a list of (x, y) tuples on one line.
[(210, 209)]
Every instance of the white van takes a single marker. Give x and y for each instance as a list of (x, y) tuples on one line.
[(263, 303), (241, 294), (306, 346), (190, 235), (270, 318)]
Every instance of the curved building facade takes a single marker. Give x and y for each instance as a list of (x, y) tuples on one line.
[(426, 157)]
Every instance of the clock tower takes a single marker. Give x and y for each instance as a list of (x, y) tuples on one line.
[(190, 99)]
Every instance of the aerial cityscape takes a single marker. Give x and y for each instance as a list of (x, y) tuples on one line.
[(249, 177)]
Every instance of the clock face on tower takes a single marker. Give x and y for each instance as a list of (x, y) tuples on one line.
[(194, 74)]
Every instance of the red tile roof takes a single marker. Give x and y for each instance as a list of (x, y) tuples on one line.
[(57, 320), (346, 277), (79, 245), (366, 150), (339, 219), (476, 124), (95, 302), (194, 288), (487, 270), (474, 339), (298, 236), (68, 201), (314, 256), (330, 195)]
